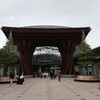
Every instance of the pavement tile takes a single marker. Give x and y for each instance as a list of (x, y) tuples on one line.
[(47, 89)]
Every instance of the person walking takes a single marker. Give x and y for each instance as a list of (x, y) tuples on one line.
[(11, 76), (59, 76)]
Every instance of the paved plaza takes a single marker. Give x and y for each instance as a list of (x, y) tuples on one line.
[(47, 89)]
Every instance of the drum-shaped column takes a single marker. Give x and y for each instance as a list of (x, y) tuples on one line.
[(26, 52), (67, 51)]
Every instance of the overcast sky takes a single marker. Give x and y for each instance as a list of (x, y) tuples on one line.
[(71, 13)]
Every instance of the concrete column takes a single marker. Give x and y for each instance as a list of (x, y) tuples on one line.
[(1, 71), (95, 71)]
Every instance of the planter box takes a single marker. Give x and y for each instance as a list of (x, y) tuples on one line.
[(87, 78), (6, 80)]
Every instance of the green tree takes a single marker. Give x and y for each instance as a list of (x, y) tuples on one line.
[(9, 56), (86, 56)]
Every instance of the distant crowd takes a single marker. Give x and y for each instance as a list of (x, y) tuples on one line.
[(51, 74)]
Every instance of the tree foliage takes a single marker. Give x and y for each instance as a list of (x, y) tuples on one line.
[(86, 56), (9, 56)]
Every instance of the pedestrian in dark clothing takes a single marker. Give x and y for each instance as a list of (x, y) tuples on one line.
[(59, 76), (51, 75), (11, 76), (20, 79)]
